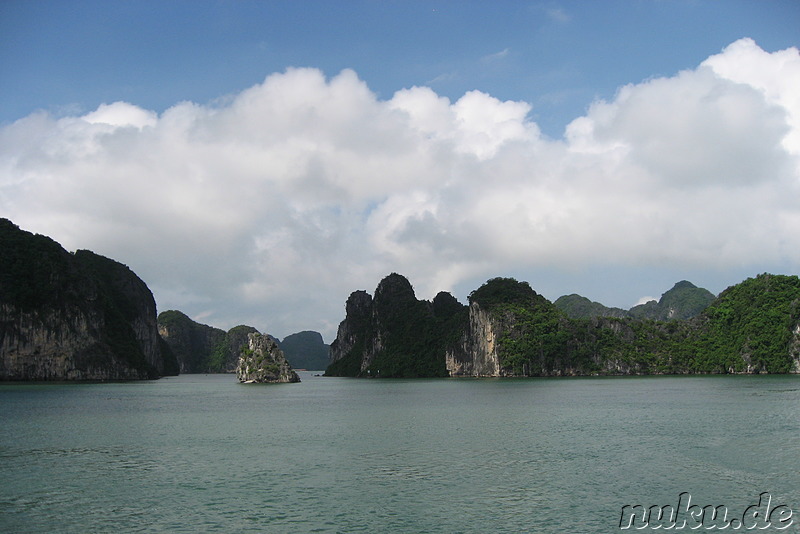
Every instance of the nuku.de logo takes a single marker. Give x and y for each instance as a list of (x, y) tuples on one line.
[(690, 516)]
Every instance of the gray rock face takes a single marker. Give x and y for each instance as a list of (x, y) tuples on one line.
[(263, 362), (476, 353)]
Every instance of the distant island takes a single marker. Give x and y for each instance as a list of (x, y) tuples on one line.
[(684, 301), (200, 348), (81, 316)]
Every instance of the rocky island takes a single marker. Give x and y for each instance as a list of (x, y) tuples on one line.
[(508, 329), (262, 361)]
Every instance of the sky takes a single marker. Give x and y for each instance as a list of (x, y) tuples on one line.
[(256, 162)]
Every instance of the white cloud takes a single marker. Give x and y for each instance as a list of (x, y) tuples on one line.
[(270, 207), (775, 75), (121, 114), (496, 56)]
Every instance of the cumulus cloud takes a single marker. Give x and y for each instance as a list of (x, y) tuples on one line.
[(270, 207), (121, 114)]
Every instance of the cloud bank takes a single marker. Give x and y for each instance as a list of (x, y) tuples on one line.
[(269, 206)]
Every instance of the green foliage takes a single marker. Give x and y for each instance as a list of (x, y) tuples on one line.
[(578, 307), (216, 360), (532, 340), (412, 333), (201, 348), (271, 368), (683, 301), (535, 335), (751, 323), (173, 318), (502, 291), (686, 299)]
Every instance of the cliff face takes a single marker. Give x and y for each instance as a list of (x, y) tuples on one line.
[(513, 331), (476, 352), (263, 362), (73, 316), (357, 339)]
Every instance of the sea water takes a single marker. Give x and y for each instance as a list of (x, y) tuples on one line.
[(202, 453)]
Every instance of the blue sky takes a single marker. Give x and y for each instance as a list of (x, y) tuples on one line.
[(558, 56), (255, 162)]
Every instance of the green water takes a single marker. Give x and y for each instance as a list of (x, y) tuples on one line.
[(205, 454)]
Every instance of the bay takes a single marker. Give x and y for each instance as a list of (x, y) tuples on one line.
[(202, 453)]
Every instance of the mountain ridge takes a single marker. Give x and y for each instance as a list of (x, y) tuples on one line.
[(683, 301)]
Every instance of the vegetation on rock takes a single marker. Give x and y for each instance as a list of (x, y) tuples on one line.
[(753, 326), (262, 361), (578, 307), (683, 301)]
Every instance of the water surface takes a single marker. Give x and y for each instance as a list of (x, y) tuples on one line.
[(202, 453)]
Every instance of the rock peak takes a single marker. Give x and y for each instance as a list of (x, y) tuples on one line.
[(394, 287)]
